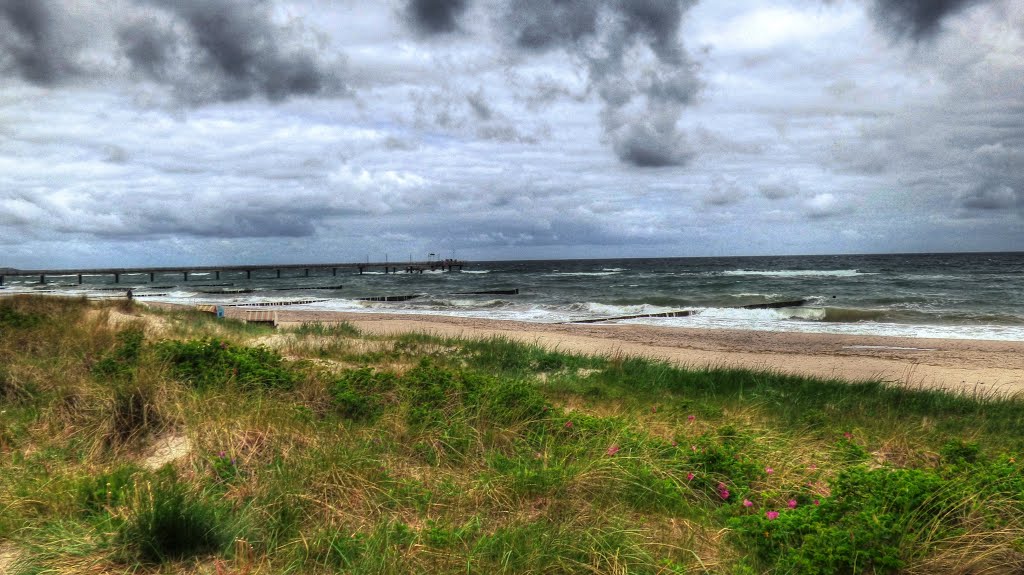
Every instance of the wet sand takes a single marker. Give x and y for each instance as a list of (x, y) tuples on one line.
[(969, 365)]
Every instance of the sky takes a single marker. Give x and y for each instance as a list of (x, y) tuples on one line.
[(205, 132)]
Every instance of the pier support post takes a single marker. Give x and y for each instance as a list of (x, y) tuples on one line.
[(248, 274), (278, 274), (79, 279), (216, 275), (334, 271), (152, 277), (42, 279), (186, 276), (117, 278), (1, 280), (360, 270), (307, 272)]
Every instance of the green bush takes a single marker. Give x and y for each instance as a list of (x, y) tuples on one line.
[(863, 527), (213, 363), (960, 451), (436, 394), (356, 394), (11, 317), (120, 362), (509, 402)]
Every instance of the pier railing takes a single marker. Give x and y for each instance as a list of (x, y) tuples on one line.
[(258, 271)]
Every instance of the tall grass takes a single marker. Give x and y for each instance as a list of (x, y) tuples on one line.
[(421, 454)]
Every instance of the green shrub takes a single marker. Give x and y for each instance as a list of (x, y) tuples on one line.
[(120, 362), (863, 527), (436, 393), (11, 317), (356, 394), (509, 402), (960, 451), (213, 362)]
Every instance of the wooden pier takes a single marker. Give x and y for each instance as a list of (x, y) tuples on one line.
[(250, 272)]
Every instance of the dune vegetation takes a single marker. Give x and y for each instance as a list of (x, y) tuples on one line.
[(143, 441)]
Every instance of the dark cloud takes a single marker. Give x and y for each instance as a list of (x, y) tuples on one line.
[(543, 24), (916, 19), (30, 44), (238, 47), (149, 47), (431, 17), (478, 103), (205, 50), (643, 98), (651, 141)]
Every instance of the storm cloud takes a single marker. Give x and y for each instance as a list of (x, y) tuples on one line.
[(916, 19), (30, 42), (635, 62), (203, 50), (430, 17)]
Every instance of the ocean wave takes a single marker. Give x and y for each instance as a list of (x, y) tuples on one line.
[(795, 273), (476, 271), (578, 274)]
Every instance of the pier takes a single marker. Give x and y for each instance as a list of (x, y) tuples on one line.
[(151, 274)]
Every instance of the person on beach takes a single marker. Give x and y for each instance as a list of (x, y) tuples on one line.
[(129, 295)]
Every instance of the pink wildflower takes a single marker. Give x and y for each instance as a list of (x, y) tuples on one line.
[(691, 418), (817, 502), (690, 476), (568, 425), (813, 467), (772, 515), (748, 503), (613, 449), (769, 470), (792, 504), (723, 493), (847, 435), (693, 448), (654, 409)]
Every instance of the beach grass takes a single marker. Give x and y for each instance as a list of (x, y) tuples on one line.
[(134, 441)]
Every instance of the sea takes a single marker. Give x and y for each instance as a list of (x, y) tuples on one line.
[(961, 296)]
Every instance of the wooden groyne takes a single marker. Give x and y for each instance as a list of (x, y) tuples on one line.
[(687, 312), (775, 305), (248, 272), (680, 313)]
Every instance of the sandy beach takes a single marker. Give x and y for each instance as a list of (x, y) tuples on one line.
[(968, 365)]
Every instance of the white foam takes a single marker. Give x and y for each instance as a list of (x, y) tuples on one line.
[(570, 274), (796, 273)]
